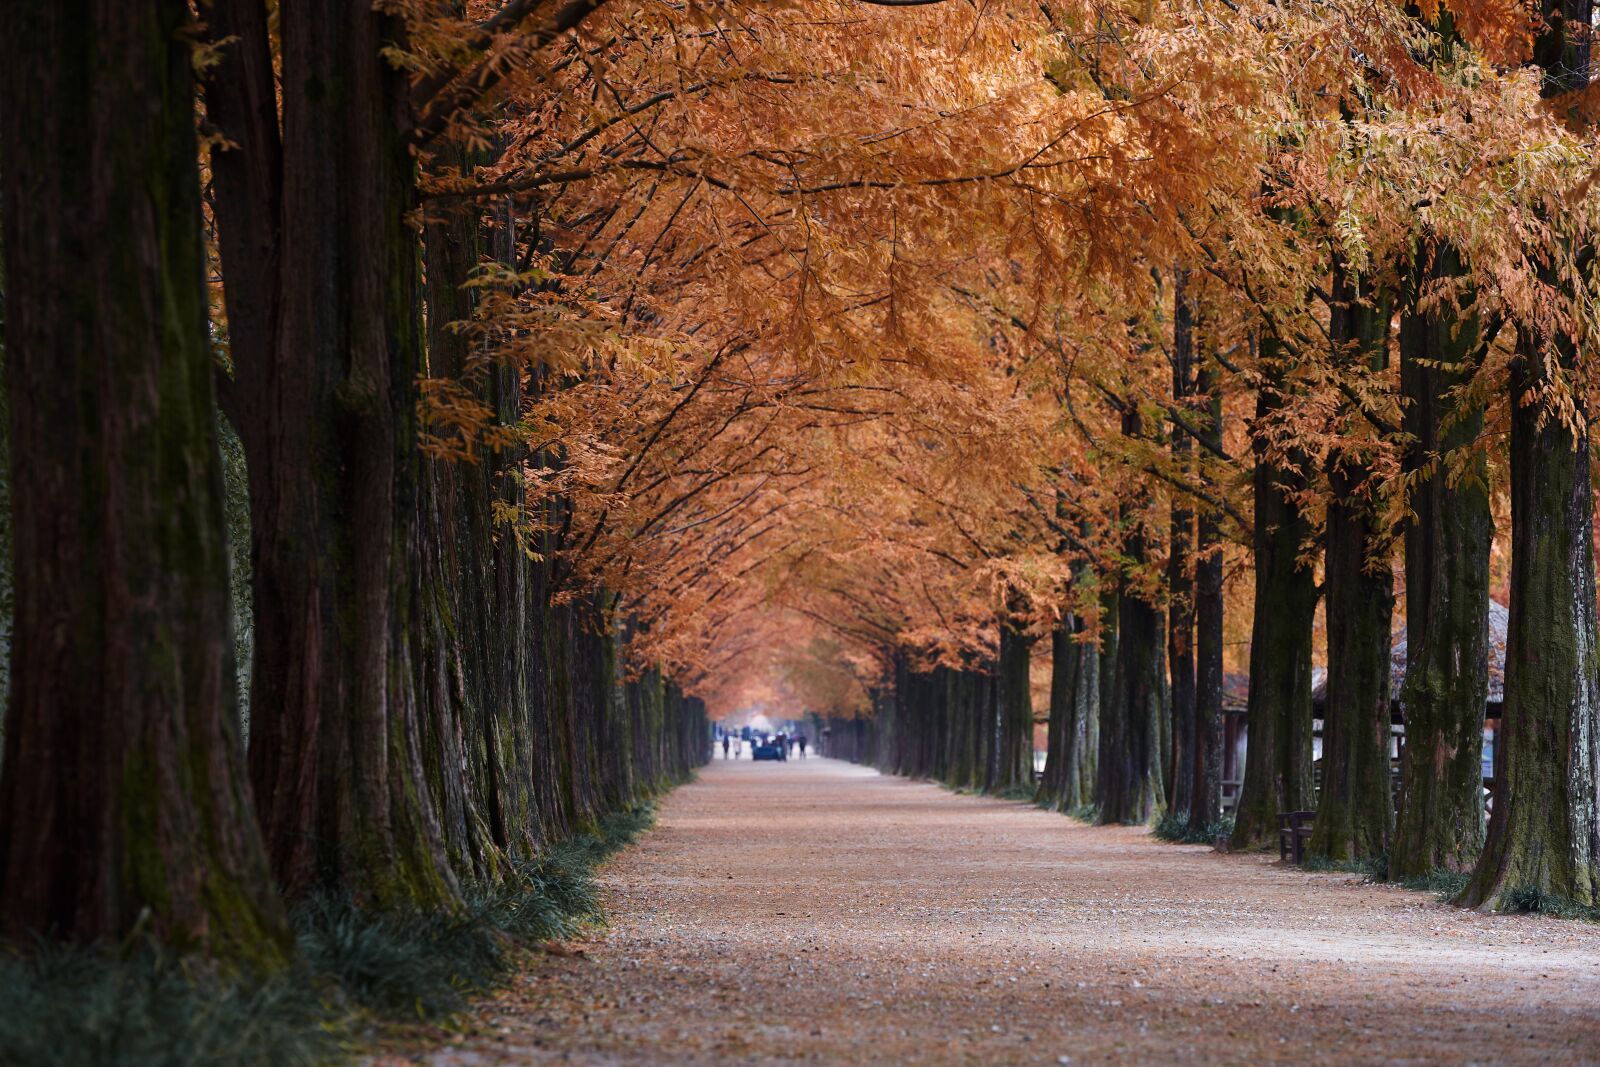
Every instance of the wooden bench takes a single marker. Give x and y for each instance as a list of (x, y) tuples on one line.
[(1294, 830)]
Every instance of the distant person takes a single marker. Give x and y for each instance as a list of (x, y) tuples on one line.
[(727, 742), (801, 741)]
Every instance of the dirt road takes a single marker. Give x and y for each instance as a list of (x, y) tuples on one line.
[(815, 911)]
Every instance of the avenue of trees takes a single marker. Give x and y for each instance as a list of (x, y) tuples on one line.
[(573, 372)]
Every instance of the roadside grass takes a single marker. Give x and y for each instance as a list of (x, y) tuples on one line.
[(70, 1005), (1181, 830), (1448, 886), (1532, 899), (357, 969)]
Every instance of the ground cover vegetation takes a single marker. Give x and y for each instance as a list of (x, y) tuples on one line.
[(486, 394)]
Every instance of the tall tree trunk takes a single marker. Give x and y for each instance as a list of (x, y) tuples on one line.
[(1058, 740), (984, 725), (1205, 802), (1180, 570), (1129, 783), (1014, 696), (1277, 772), (1129, 777), (123, 803), (1440, 822), (327, 399), (1106, 668), (1355, 815), (454, 583), (1074, 711), (1544, 836), (962, 740)]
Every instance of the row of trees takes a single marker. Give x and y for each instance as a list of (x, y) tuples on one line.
[(827, 355), (423, 703), (1358, 358)]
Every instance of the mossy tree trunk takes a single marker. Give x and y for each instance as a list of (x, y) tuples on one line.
[(1073, 737), (1440, 822), (1205, 801), (123, 802), (1129, 777), (1129, 785), (1277, 772), (1544, 835), (463, 755), (1355, 815), (1180, 570), (324, 397)]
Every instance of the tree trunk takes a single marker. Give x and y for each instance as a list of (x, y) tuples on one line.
[(328, 421), (454, 590), (1440, 823), (1074, 709), (1277, 773), (1059, 730), (1205, 802), (1129, 777), (1014, 695), (1544, 836), (1180, 571), (1355, 815), (1129, 783), (123, 805)]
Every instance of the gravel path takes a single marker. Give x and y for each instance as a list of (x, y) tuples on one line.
[(816, 911)]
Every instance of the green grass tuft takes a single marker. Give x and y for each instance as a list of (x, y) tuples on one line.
[(1532, 899), (1083, 813), (1446, 885), (1373, 868), (1182, 830), (75, 1007)]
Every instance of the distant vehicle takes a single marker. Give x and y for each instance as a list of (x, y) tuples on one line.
[(769, 749)]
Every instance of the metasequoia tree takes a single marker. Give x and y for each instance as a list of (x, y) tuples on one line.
[(1544, 834), (1355, 814), (123, 805)]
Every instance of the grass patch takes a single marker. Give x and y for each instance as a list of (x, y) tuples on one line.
[(1446, 885), (76, 1007), (1373, 868), (1018, 792), (1533, 900), (68, 1005), (1083, 813), (1182, 830)]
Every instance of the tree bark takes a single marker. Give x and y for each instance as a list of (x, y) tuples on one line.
[(1180, 571), (1205, 802), (1440, 822), (1073, 740), (1129, 783), (1544, 836), (1277, 774), (1014, 695), (1129, 779), (1355, 816), (329, 432), (123, 804)]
